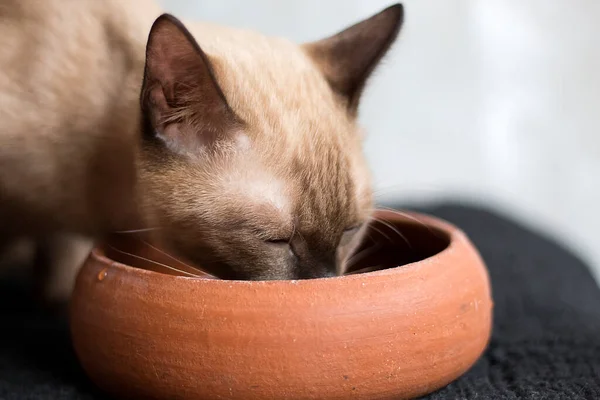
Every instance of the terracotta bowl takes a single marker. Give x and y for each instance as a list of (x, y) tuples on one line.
[(405, 330)]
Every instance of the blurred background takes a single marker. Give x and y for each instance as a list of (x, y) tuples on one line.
[(493, 102)]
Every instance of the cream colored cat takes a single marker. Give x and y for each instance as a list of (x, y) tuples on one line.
[(240, 152)]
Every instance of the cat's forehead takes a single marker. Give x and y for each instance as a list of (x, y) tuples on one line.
[(242, 175), (316, 185)]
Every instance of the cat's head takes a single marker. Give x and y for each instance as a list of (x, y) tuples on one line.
[(252, 163)]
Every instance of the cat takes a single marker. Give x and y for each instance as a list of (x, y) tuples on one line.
[(240, 152)]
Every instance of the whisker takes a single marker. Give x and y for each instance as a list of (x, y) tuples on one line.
[(355, 258), (376, 229), (170, 256), (411, 217), (394, 229), (155, 262), (211, 260), (402, 214), (369, 236)]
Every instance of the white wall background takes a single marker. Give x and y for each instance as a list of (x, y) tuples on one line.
[(492, 100)]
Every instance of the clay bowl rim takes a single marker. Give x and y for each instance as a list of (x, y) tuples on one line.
[(452, 235)]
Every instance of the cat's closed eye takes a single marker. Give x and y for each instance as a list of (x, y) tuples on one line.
[(283, 241), (278, 241)]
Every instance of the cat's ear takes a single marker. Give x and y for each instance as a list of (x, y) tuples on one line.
[(348, 58), (182, 103)]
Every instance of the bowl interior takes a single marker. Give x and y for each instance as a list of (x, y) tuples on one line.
[(392, 239)]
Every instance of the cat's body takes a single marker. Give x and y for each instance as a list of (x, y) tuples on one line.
[(69, 90), (245, 145)]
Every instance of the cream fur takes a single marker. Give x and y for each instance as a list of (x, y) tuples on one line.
[(70, 157)]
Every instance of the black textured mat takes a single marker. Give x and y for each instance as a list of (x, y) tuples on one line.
[(545, 345)]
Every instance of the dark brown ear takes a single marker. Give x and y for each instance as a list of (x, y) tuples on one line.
[(181, 101), (348, 58)]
